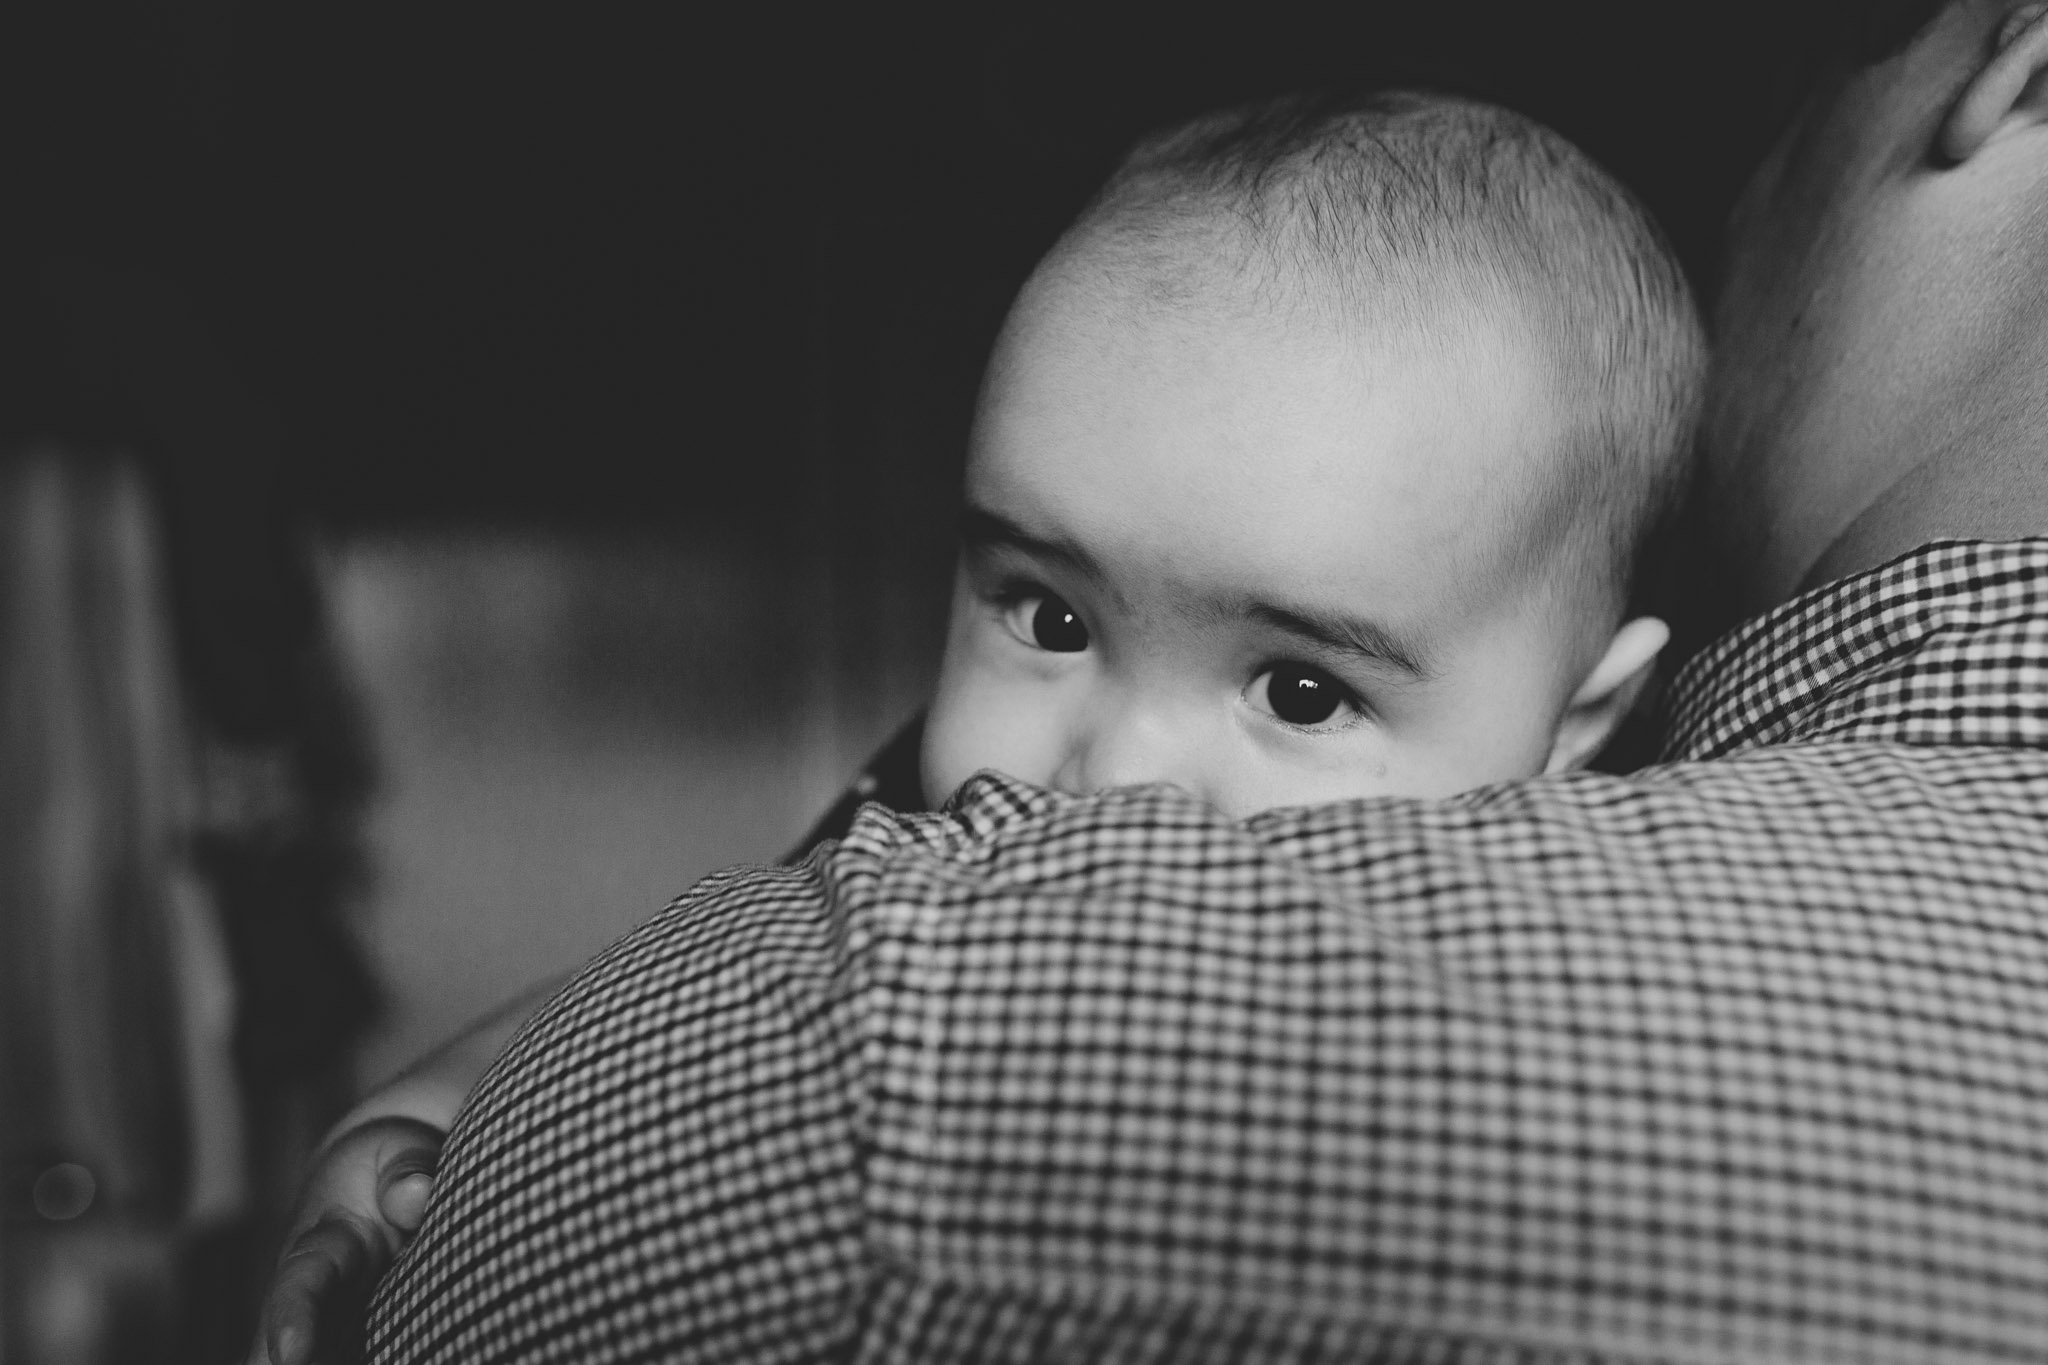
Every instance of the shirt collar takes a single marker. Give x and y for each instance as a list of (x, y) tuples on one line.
[(1945, 645)]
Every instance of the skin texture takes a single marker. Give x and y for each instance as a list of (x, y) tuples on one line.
[(1878, 331), (354, 1233), (1185, 477), (366, 1192), (1881, 341)]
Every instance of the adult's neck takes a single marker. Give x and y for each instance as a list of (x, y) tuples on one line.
[(1982, 475), (1884, 315)]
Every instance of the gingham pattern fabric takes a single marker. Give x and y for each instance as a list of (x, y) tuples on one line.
[(1734, 1061), (1946, 646)]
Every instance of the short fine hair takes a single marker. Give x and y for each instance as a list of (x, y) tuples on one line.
[(1424, 204)]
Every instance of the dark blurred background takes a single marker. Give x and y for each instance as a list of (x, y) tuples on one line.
[(536, 428), (597, 264)]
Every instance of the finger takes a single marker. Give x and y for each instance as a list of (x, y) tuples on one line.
[(322, 1261), (404, 1201)]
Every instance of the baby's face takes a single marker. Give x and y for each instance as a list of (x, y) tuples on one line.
[(1233, 551)]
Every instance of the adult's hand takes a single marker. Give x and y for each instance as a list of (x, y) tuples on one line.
[(366, 1194), (361, 1205)]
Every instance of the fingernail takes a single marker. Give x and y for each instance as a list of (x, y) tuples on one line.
[(289, 1345), (406, 1201)]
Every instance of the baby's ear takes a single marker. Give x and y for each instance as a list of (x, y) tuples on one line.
[(1604, 698), (2006, 91)]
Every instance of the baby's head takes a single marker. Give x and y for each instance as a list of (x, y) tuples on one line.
[(1315, 461)]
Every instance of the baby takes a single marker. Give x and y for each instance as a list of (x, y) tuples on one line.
[(1313, 462)]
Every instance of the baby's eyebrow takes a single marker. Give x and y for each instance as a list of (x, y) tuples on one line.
[(1368, 640), (981, 528)]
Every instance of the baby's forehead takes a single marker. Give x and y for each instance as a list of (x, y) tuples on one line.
[(1207, 289), (1229, 388)]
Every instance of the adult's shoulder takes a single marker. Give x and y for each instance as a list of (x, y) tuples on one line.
[(1607, 1067), (675, 1128), (1349, 1081)]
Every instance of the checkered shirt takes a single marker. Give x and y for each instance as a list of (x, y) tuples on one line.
[(1741, 1058)]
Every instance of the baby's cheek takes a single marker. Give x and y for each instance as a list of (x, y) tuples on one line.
[(1487, 746), (1424, 765), (945, 749), (979, 722), (950, 742), (1270, 788)]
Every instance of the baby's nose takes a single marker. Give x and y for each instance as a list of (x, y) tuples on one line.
[(1130, 745)]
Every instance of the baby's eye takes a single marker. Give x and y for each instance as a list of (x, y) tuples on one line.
[(1046, 621), (1303, 696)]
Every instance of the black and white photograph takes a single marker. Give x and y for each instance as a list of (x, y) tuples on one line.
[(1024, 683)]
